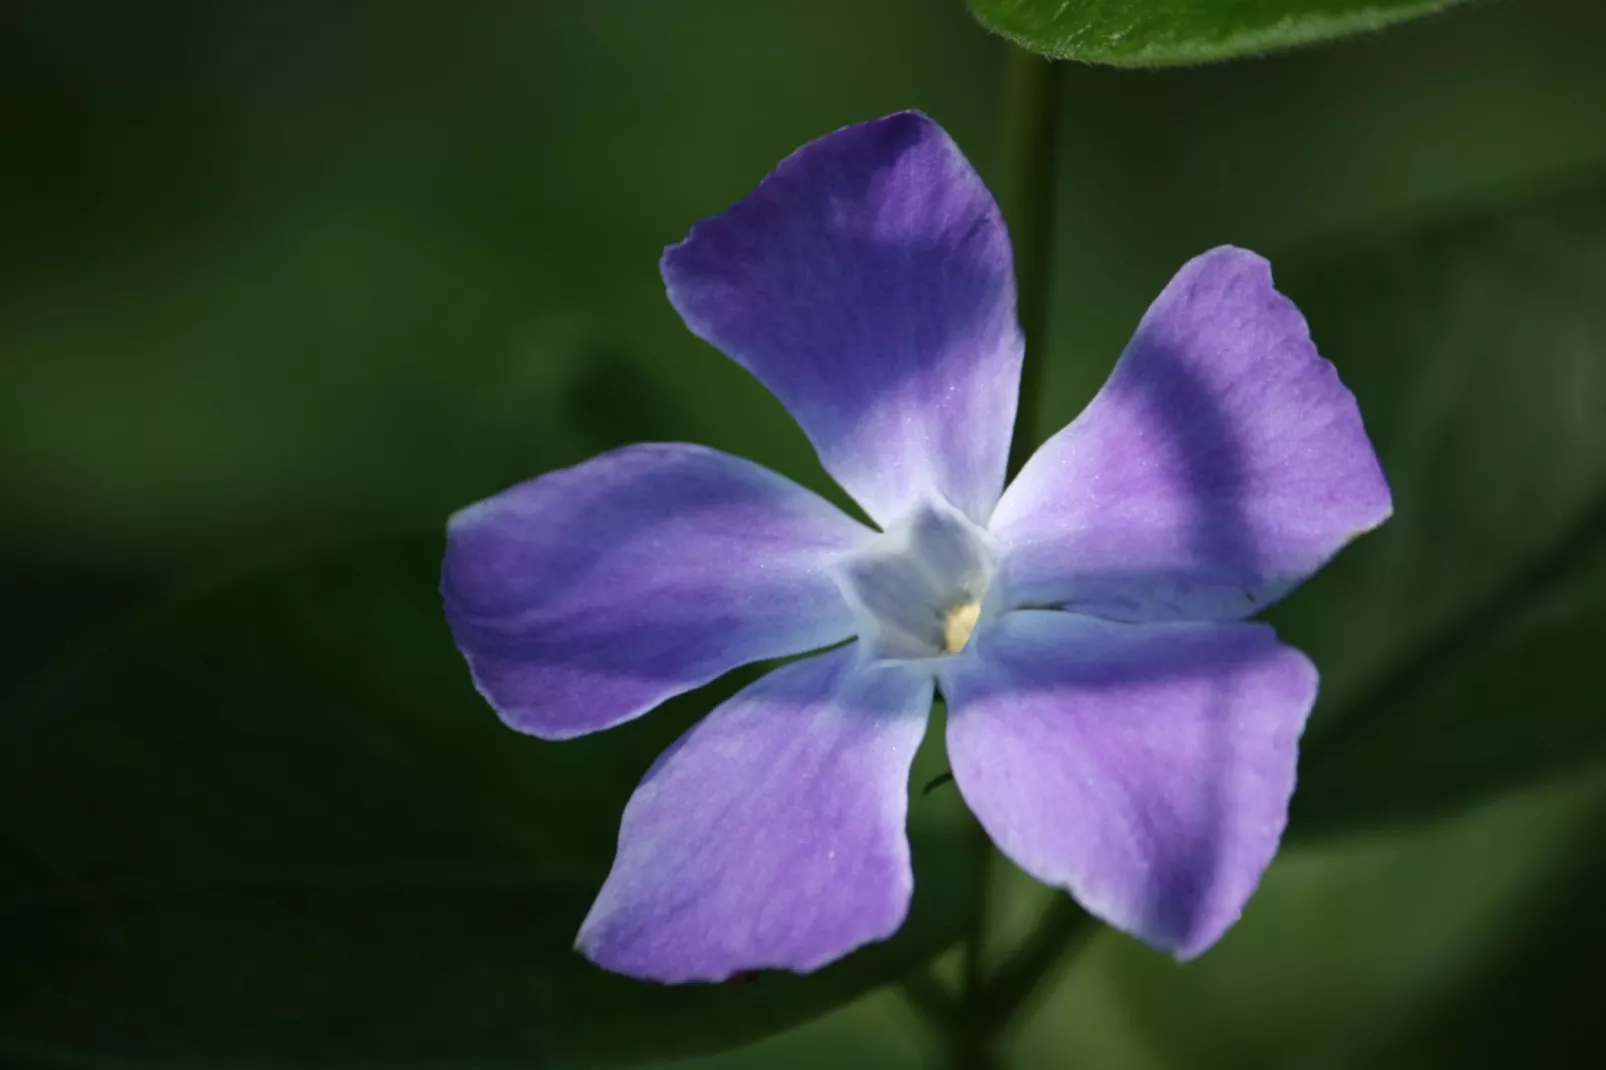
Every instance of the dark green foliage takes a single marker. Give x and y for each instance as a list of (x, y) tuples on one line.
[(1479, 349), (272, 824)]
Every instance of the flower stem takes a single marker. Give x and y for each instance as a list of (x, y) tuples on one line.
[(1018, 982), (974, 1025), (1031, 140), (931, 998)]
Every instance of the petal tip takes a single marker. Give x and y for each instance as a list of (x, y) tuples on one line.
[(522, 719), (1186, 951), (1381, 512), (1231, 257), (642, 965), (608, 959)]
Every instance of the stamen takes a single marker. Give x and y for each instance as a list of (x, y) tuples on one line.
[(958, 625)]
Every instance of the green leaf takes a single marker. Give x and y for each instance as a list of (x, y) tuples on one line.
[(1344, 943), (271, 824), (1463, 637), (1168, 33), (1532, 1002)]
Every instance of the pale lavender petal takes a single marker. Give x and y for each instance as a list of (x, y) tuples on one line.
[(587, 596), (1145, 768), (868, 283), (1220, 466), (772, 834)]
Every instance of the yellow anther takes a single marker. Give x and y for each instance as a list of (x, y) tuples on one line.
[(958, 625)]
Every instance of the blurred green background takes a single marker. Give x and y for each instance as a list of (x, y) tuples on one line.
[(279, 282)]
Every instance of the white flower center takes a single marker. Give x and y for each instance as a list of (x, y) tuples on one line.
[(919, 588)]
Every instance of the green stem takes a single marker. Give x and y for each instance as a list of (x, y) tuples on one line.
[(928, 995), (972, 978), (1032, 137), (1021, 978)]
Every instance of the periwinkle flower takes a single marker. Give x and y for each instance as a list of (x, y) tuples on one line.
[(1114, 722)]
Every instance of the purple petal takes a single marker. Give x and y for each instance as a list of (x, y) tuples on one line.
[(868, 283), (772, 834), (1145, 768), (587, 596), (1220, 466)]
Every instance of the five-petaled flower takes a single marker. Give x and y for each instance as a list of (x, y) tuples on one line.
[(1114, 722)]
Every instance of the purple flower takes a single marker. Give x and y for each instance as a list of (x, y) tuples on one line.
[(1114, 721)]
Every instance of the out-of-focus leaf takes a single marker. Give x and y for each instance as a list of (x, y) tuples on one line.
[(1510, 695), (284, 267), (1478, 351), (1534, 1001), (273, 825), (49, 606), (1345, 942), (1165, 33)]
